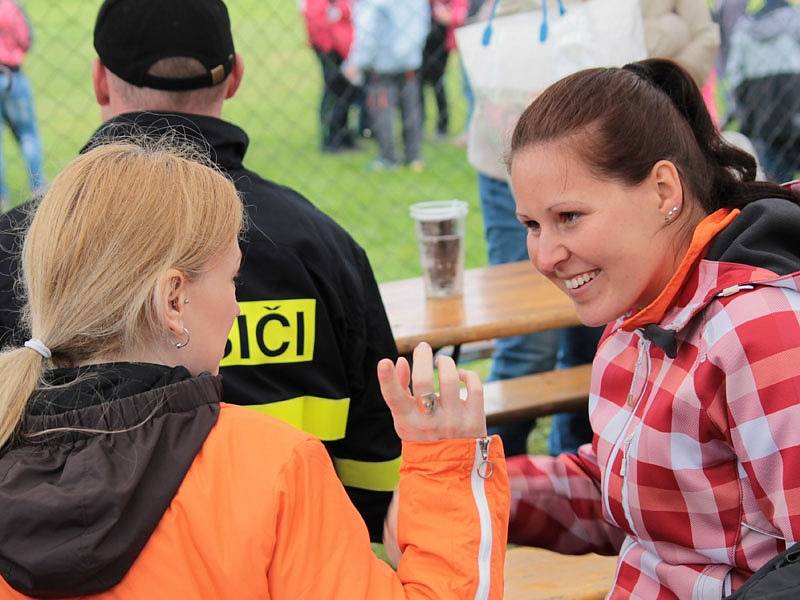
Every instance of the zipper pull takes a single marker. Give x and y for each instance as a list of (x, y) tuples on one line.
[(730, 291), (485, 468), (626, 447)]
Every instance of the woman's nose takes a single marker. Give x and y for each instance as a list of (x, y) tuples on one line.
[(546, 251)]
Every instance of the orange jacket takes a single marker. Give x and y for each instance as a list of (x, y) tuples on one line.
[(261, 514)]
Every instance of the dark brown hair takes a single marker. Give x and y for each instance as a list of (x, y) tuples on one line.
[(622, 121)]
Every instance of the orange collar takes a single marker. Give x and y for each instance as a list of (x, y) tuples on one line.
[(704, 233)]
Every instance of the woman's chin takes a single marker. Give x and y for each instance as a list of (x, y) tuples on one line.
[(594, 318)]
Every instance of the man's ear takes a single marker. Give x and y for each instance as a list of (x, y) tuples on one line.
[(669, 187), (235, 78), (171, 300), (100, 82)]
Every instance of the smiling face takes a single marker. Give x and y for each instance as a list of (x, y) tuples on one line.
[(605, 244)]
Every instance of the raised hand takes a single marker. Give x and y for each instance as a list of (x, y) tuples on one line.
[(425, 415)]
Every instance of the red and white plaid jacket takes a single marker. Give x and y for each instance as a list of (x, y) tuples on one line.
[(693, 475)]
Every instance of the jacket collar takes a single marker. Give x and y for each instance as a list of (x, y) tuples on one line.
[(225, 143)]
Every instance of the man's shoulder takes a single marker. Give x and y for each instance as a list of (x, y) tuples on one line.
[(13, 225), (286, 214)]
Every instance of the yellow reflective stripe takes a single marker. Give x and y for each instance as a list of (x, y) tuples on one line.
[(377, 476), (325, 418)]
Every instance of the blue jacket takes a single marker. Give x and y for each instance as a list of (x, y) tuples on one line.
[(389, 35)]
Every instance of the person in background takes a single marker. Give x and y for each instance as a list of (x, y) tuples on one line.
[(387, 54), (649, 221), (446, 15), (683, 31), (312, 325), (330, 33), (726, 13), (128, 476), (16, 97), (763, 72), (474, 8)]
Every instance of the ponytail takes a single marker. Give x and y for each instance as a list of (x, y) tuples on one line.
[(732, 170), (22, 370)]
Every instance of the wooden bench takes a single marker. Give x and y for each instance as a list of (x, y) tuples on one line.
[(536, 395), (536, 574)]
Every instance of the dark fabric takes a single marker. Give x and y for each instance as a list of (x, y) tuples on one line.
[(79, 506), (291, 251), (434, 65), (764, 235), (132, 35), (338, 95), (663, 338), (779, 579)]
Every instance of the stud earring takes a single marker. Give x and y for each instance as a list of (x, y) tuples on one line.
[(671, 213)]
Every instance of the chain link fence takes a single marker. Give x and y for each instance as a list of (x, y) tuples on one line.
[(279, 107)]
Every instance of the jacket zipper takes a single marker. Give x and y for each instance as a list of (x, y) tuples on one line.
[(623, 470), (644, 349), (626, 446), (481, 471)]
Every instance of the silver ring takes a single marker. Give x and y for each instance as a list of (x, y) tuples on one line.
[(428, 403)]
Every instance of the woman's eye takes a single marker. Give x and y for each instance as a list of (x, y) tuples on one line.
[(532, 226), (569, 217)]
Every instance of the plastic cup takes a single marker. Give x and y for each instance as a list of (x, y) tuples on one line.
[(440, 236)]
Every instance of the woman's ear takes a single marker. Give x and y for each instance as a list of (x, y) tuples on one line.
[(669, 188), (171, 300)]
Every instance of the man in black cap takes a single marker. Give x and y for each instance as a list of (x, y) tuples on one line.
[(312, 326)]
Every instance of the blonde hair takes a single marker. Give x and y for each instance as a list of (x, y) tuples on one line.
[(111, 224)]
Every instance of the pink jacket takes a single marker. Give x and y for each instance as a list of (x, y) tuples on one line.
[(329, 25), (15, 35), (695, 406), (458, 14)]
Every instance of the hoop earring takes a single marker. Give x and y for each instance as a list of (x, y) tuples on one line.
[(671, 213), (180, 345)]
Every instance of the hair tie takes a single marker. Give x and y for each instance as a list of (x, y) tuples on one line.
[(38, 346)]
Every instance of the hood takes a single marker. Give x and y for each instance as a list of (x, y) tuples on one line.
[(81, 501), (771, 24), (758, 246), (766, 235)]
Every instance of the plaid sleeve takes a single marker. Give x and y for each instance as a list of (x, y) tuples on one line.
[(556, 504), (755, 343)]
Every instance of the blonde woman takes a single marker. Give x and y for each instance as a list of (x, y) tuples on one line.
[(122, 472)]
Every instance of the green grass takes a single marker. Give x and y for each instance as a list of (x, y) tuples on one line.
[(277, 106)]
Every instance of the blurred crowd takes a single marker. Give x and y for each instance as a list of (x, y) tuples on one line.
[(378, 58)]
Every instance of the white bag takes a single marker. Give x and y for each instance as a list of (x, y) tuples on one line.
[(527, 52)]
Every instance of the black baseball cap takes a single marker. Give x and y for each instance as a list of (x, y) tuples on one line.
[(131, 35)]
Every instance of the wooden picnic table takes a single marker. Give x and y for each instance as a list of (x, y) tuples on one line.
[(537, 574), (498, 301)]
